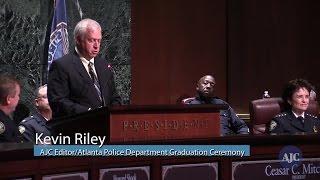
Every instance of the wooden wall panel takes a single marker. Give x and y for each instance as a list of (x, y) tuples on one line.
[(174, 43), (270, 43), (249, 45)]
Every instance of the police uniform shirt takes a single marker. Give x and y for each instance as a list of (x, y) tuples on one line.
[(32, 125), (8, 130), (288, 123), (230, 123)]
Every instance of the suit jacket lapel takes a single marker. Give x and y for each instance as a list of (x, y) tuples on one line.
[(80, 68), (84, 74)]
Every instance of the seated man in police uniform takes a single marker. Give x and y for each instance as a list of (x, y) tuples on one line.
[(37, 122), (295, 120), (230, 123), (9, 98)]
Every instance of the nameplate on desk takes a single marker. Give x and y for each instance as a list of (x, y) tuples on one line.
[(160, 126), (308, 168), (126, 173), (64, 176)]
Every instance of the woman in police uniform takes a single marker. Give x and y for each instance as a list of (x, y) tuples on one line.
[(295, 120)]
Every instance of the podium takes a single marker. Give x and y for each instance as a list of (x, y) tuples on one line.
[(144, 123)]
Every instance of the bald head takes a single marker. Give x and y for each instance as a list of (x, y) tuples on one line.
[(205, 86)]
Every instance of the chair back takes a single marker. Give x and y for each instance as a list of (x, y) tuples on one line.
[(313, 108), (262, 111)]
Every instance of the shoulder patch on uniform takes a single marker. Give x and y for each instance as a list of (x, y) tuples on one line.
[(273, 124), (281, 114), (311, 115), (22, 129), (2, 128)]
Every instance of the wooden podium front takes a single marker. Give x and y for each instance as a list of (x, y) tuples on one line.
[(145, 123)]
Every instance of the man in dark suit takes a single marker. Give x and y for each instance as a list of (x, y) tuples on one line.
[(80, 81)]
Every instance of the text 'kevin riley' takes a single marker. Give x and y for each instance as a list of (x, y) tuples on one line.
[(79, 138)]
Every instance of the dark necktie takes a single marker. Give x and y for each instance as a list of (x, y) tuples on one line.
[(301, 120), (95, 80)]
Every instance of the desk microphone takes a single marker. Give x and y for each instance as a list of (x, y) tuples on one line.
[(112, 70)]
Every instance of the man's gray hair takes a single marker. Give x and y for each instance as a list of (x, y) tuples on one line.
[(83, 25), (38, 89)]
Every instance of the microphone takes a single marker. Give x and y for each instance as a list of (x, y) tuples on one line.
[(111, 69)]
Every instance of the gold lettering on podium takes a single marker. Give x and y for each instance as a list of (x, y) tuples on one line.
[(158, 125)]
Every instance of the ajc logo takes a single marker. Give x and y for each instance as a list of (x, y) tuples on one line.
[(290, 156)]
